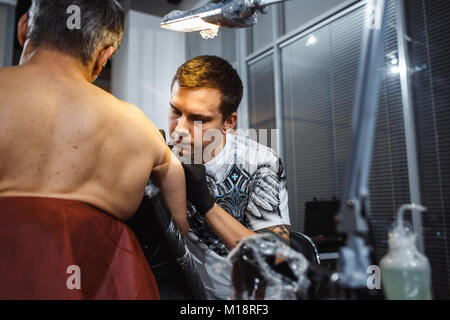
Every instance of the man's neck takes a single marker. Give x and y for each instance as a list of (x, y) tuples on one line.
[(216, 151), (53, 61)]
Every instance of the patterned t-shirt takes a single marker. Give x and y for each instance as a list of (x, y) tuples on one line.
[(249, 182)]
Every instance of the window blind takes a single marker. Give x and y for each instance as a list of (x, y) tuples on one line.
[(319, 72), (429, 46), (261, 94)]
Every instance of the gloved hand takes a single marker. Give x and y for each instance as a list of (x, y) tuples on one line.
[(197, 188)]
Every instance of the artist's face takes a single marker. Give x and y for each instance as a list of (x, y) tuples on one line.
[(195, 120)]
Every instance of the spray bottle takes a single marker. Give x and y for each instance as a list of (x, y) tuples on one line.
[(405, 272)]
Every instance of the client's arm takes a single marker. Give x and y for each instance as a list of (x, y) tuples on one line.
[(169, 175)]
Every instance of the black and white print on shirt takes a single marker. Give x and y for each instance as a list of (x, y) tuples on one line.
[(249, 183)]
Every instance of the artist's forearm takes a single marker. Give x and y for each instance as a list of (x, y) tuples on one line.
[(228, 229), (282, 231)]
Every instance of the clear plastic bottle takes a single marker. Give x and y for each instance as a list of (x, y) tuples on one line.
[(405, 271)]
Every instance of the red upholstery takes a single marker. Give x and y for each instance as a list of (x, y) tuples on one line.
[(41, 237)]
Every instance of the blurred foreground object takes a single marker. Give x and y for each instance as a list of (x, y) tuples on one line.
[(266, 268), (165, 249)]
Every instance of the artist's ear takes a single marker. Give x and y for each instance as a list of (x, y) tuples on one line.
[(22, 29), (101, 60), (229, 123)]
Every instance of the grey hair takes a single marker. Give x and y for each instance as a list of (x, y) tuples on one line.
[(102, 26)]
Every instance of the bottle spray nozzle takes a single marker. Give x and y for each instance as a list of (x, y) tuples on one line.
[(401, 211)]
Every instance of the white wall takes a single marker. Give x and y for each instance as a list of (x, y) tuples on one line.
[(143, 69), (162, 7), (3, 20)]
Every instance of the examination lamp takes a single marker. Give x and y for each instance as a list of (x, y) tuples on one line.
[(215, 14)]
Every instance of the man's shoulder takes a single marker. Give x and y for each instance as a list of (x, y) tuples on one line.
[(8, 76), (124, 112), (133, 113), (267, 199), (10, 69), (255, 154), (4, 71), (126, 120)]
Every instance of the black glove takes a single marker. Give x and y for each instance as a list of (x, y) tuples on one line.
[(197, 188)]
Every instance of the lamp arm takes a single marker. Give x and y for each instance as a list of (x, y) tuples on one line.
[(354, 257)]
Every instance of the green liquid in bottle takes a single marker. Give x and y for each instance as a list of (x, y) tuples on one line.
[(406, 283)]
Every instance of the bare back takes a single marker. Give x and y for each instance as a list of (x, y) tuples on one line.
[(68, 139)]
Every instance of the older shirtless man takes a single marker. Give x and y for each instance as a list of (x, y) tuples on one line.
[(74, 163)]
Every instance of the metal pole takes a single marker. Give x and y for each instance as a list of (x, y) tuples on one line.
[(408, 116), (243, 121), (354, 257), (278, 90), (356, 191)]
